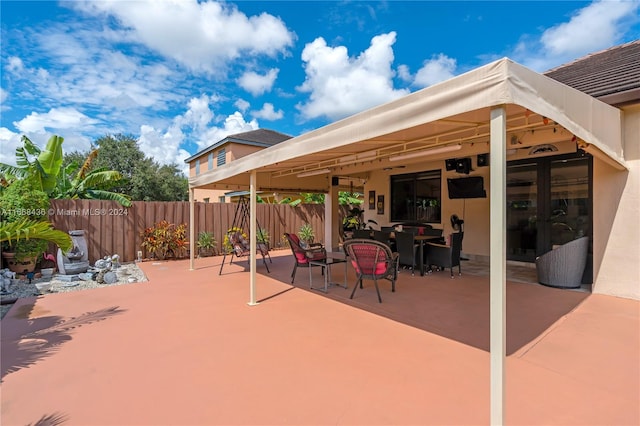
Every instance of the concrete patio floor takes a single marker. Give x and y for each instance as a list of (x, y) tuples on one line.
[(185, 349)]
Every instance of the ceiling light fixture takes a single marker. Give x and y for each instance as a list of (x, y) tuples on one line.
[(433, 151), (314, 173)]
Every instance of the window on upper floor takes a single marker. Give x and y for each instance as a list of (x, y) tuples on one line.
[(210, 161), (222, 158), (197, 167)]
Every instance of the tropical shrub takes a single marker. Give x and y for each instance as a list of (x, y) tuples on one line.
[(206, 243), (165, 239), (21, 201)]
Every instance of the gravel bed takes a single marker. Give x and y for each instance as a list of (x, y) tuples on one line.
[(22, 288)]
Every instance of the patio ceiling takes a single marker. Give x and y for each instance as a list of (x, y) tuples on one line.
[(454, 112)]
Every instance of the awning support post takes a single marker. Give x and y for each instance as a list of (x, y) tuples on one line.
[(253, 248), (192, 229), (498, 274)]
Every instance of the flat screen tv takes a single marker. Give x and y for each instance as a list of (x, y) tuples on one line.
[(467, 187)]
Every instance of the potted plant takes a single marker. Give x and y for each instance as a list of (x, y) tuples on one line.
[(306, 234), (206, 244), (263, 237), (22, 201)]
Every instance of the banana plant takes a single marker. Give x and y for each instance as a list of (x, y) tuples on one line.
[(78, 182), (40, 166)]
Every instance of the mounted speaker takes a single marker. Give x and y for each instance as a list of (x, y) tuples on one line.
[(463, 165), (335, 181), (450, 164), (483, 160)]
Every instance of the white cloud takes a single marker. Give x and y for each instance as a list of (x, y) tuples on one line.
[(3, 97), (592, 28), (257, 84), (437, 69), (268, 113), (9, 141), (404, 74), (199, 115), (234, 123), (340, 86), (84, 70), (15, 64), (55, 119), (242, 105), (203, 36), (597, 26), (163, 146)]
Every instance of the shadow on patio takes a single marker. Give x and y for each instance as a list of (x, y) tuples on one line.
[(186, 349), (456, 309)]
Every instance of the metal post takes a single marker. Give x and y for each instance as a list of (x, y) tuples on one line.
[(253, 246), (498, 267), (192, 229)]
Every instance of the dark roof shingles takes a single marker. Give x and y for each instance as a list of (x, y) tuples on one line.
[(611, 71)]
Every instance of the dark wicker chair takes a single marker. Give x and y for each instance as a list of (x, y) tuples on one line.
[(302, 255), (372, 260), (384, 237), (408, 250), (361, 233), (446, 256)]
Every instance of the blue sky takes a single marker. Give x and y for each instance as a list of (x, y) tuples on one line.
[(182, 75)]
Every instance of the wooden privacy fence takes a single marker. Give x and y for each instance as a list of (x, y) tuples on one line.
[(113, 229)]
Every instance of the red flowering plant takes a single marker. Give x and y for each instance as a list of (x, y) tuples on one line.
[(165, 239)]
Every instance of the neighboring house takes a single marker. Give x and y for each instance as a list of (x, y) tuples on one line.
[(562, 148), (225, 151)]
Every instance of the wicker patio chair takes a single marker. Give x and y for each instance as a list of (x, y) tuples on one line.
[(446, 256), (372, 260), (563, 266), (302, 255)]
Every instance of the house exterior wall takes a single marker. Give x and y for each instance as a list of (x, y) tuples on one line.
[(475, 212), (616, 240), (233, 151), (616, 212)]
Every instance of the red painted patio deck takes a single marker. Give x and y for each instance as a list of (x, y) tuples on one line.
[(185, 349)]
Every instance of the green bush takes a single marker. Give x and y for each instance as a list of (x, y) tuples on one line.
[(22, 200)]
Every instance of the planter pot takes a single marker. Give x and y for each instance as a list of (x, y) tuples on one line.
[(26, 265), (205, 252)]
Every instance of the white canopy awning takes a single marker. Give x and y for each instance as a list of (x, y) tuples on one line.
[(454, 111), (483, 105)]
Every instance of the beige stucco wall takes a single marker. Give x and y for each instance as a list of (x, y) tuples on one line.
[(475, 212), (616, 215), (233, 151), (616, 239)]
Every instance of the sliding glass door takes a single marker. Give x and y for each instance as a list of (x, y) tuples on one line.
[(548, 204)]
